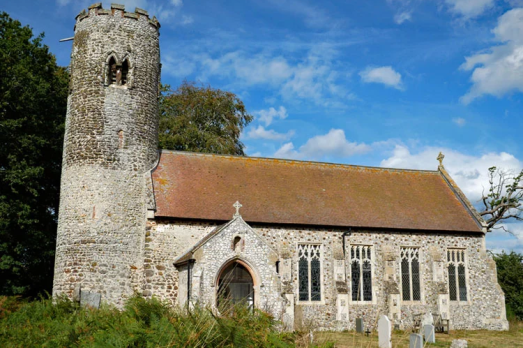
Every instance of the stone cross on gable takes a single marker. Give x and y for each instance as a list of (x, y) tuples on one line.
[(440, 158), (237, 205)]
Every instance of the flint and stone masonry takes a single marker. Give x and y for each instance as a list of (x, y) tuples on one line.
[(136, 220), (110, 145)]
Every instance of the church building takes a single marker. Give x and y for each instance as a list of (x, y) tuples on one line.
[(317, 245)]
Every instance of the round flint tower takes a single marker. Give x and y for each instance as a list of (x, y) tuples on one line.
[(111, 142)]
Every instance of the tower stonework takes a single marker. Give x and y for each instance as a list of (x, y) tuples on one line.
[(110, 146)]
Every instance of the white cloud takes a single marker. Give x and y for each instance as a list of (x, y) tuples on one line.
[(266, 116), (177, 3), (313, 77), (469, 8), (385, 75), (469, 172), (333, 143), (287, 151), (269, 134), (459, 121), (186, 20), (471, 175), (500, 70), (498, 240), (401, 17)]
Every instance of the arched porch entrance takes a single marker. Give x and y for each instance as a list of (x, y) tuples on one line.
[(236, 286)]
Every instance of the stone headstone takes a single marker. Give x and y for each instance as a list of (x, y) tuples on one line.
[(384, 332), (459, 344), (359, 325), (76, 293), (427, 319), (90, 299), (416, 341), (428, 333)]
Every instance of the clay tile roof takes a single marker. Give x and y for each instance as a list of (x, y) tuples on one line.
[(200, 186)]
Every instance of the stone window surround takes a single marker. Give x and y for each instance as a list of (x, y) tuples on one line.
[(322, 278), (467, 282), (105, 70), (421, 263), (372, 272)]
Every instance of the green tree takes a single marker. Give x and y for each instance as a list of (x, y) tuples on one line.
[(202, 119), (510, 277), (33, 99)]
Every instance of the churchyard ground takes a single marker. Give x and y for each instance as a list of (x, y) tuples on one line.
[(476, 339)]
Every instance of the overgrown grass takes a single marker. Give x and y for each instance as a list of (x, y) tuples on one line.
[(142, 323), (513, 338)]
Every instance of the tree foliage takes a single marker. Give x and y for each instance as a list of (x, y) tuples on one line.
[(504, 198), (202, 119), (510, 278), (33, 98)]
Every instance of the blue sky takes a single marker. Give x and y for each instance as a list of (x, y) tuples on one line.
[(380, 83)]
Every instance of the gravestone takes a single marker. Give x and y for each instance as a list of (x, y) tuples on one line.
[(427, 319), (359, 325), (428, 333), (90, 299), (416, 341), (384, 332), (459, 344)]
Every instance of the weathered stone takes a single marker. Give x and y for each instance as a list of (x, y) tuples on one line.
[(90, 299), (416, 341), (459, 344), (429, 334), (384, 332), (359, 325)]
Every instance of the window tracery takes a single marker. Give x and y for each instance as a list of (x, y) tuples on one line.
[(309, 272), (361, 273), (457, 276), (410, 274)]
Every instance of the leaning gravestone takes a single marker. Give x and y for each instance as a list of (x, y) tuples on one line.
[(384, 332), (359, 325), (428, 333), (416, 341), (90, 299)]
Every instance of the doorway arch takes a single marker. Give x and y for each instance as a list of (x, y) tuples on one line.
[(236, 284)]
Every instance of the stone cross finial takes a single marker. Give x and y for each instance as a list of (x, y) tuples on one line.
[(237, 205), (440, 158)]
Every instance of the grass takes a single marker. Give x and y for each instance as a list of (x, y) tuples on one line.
[(142, 323), (476, 339)]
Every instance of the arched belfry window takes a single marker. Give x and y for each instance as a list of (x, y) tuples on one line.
[(125, 72), (111, 71), (118, 73)]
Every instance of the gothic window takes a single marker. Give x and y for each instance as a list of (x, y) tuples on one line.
[(111, 73), (309, 272), (125, 72), (361, 272), (410, 274), (457, 278)]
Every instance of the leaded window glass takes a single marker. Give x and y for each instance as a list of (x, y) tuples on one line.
[(361, 273), (457, 277), (309, 272), (410, 274)]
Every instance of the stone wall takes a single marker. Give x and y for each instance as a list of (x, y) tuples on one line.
[(483, 310), (110, 144)]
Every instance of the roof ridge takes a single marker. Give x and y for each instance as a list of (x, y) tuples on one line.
[(284, 160)]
